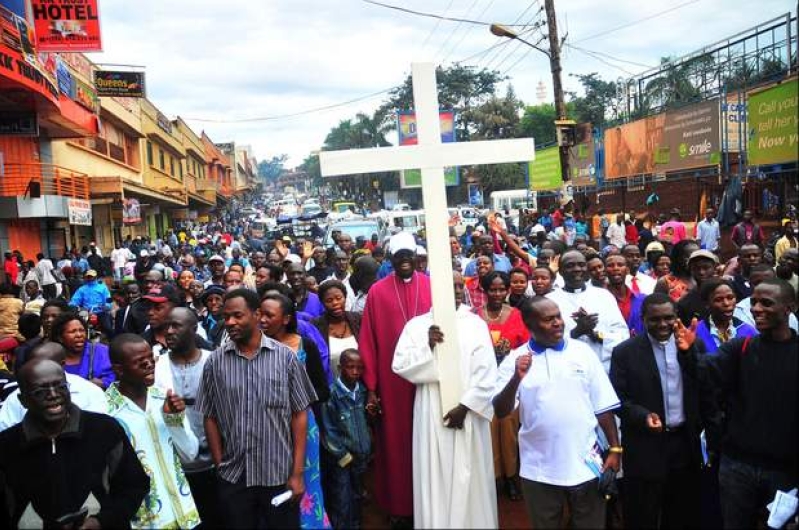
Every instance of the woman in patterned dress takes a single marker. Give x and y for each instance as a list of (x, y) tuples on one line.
[(279, 322)]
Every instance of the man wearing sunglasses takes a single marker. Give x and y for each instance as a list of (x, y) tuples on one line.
[(59, 455), (83, 394)]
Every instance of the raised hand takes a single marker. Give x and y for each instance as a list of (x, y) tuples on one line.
[(523, 364), (685, 337)]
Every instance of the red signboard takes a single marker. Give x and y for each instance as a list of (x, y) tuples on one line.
[(66, 25)]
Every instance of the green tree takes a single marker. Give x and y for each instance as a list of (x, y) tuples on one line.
[(538, 122), (497, 118), (362, 132), (269, 170), (460, 88), (600, 101), (311, 166)]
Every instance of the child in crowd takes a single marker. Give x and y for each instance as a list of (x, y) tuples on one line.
[(347, 442)]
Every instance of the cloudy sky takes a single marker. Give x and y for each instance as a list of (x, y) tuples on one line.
[(241, 59)]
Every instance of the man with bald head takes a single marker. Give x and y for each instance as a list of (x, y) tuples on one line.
[(181, 369), (84, 394), (591, 314), (59, 455)]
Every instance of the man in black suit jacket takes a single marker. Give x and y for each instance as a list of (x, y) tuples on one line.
[(657, 378), (133, 317)]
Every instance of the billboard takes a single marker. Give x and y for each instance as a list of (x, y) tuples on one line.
[(676, 140), (131, 212), (119, 84), (773, 132), (406, 130), (582, 157), (66, 25), (545, 171), (80, 212), (733, 120)]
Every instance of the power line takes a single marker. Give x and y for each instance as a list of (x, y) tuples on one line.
[(634, 22), (601, 60), (296, 114), (526, 9), (572, 46), (433, 15), (467, 32), (435, 27), (523, 57), (457, 27)]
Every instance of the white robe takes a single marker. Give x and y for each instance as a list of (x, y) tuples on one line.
[(611, 323), (453, 469)]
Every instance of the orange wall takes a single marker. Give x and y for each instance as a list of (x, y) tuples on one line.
[(25, 236), (19, 149)]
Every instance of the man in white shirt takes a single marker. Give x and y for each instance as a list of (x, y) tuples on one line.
[(637, 281), (708, 232), (591, 314), (44, 273), (120, 256), (616, 233), (85, 395), (562, 393)]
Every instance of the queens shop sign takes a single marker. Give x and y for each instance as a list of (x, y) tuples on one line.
[(119, 84)]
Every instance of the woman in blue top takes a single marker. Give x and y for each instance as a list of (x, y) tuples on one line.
[(279, 322), (720, 325), (85, 358)]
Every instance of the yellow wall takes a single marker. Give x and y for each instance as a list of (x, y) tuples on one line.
[(68, 154)]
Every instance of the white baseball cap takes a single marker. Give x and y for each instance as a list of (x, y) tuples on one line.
[(402, 241)]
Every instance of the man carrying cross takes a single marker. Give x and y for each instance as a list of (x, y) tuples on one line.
[(431, 156)]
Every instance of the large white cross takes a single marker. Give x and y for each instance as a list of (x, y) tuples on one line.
[(432, 157)]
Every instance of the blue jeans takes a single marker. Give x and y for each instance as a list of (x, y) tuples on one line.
[(746, 489), (345, 492)]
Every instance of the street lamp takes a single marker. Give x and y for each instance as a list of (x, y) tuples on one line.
[(553, 54), (502, 31)]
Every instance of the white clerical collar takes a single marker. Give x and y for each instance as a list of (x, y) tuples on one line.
[(576, 290)]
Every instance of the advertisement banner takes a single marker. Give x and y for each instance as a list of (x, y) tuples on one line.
[(406, 129), (80, 212), (66, 25), (119, 84), (18, 65), (131, 212), (733, 123), (85, 95), (676, 140), (582, 157), (773, 131), (545, 171), (475, 195)]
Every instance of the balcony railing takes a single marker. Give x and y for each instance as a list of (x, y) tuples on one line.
[(54, 180)]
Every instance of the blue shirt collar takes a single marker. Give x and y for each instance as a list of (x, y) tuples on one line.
[(537, 347)]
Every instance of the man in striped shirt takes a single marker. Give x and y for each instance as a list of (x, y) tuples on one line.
[(254, 395)]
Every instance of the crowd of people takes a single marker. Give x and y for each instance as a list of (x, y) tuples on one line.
[(613, 371)]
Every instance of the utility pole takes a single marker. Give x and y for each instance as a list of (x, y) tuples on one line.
[(555, 67), (564, 127)]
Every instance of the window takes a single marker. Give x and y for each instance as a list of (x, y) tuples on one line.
[(149, 153), (171, 165), (161, 160), (180, 167)]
